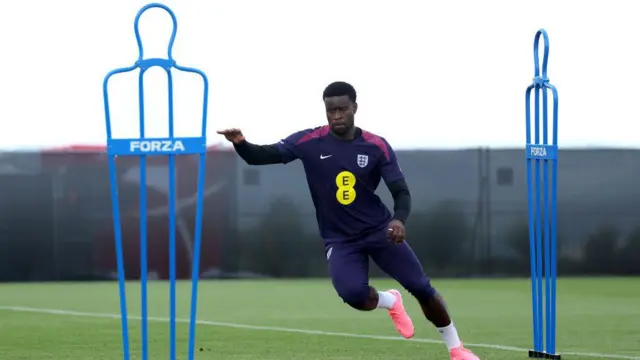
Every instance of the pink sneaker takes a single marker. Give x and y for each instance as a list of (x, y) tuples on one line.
[(400, 318), (461, 353)]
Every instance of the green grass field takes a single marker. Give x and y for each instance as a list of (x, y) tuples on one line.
[(277, 320)]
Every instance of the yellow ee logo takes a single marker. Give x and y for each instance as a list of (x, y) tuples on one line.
[(345, 181)]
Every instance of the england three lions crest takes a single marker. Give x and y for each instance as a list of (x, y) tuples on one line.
[(363, 160)]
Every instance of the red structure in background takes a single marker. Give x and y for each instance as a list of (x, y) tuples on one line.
[(77, 160)]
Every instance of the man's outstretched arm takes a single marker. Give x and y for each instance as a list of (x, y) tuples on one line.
[(254, 154), (283, 152)]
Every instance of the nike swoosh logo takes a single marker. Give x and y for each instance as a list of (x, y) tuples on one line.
[(322, 157)]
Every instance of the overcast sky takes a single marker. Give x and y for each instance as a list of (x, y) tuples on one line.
[(429, 74)]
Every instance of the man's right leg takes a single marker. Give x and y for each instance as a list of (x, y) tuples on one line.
[(349, 268)]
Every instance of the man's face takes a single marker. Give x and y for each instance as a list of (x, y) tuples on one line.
[(340, 113)]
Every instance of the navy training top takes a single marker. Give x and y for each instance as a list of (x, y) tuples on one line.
[(343, 176)]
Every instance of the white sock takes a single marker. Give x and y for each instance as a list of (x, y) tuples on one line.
[(386, 300), (450, 336)]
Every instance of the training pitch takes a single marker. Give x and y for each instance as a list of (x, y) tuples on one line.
[(304, 319)]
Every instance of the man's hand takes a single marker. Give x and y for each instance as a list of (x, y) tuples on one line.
[(395, 231), (233, 135)]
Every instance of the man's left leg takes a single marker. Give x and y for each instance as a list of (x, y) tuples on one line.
[(401, 263)]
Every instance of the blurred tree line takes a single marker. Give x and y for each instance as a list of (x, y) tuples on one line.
[(445, 239)]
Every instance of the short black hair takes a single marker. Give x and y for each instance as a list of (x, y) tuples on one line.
[(340, 88)]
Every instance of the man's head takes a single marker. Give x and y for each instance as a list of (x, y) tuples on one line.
[(340, 104)]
